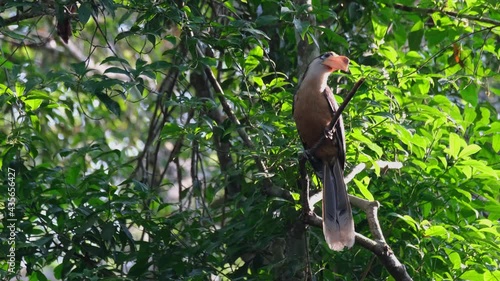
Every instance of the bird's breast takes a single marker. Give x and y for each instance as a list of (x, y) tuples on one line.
[(312, 115)]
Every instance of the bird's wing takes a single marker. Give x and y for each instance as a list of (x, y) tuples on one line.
[(339, 128)]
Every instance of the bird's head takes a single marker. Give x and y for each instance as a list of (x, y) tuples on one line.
[(320, 68), (333, 62)]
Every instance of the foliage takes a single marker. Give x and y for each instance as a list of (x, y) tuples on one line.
[(131, 164)]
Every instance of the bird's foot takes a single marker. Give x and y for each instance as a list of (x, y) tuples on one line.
[(329, 134)]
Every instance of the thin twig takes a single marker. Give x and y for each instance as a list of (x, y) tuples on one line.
[(350, 95), (449, 13), (442, 50)]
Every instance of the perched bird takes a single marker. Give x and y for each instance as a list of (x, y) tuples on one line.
[(314, 106)]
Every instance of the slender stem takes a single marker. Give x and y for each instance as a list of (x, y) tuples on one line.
[(449, 13), (337, 114)]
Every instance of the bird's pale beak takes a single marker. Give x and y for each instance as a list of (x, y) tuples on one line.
[(337, 63)]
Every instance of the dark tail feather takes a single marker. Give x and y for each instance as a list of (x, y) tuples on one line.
[(338, 225)]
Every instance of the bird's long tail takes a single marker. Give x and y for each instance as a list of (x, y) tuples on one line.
[(338, 225)]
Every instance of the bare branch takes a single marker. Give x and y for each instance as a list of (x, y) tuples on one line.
[(371, 210), (377, 245), (358, 169)]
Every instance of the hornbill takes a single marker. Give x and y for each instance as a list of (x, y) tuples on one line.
[(314, 106)]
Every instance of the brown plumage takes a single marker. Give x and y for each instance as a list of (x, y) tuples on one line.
[(314, 106)]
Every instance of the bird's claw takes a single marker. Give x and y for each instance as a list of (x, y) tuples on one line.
[(329, 134)]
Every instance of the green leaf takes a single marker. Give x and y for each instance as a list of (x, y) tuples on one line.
[(266, 20), (469, 150), (469, 116), (35, 121), (363, 188), (379, 29), (436, 231), (389, 53), (139, 268), (118, 70), (420, 141), (159, 65), (38, 276), (170, 130), (375, 148), (80, 68), (481, 169), (110, 104), (455, 259), (58, 271), (108, 230), (5, 90), (357, 134), (415, 36), (256, 32), (84, 12), (454, 143), (409, 220), (452, 70), (253, 59), (115, 59), (72, 174), (495, 142), (257, 52), (20, 89), (258, 80), (470, 93), (422, 86), (300, 27), (33, 104), (466, 193), (472, 275)]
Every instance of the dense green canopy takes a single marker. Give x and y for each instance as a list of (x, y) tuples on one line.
[(158, 143)]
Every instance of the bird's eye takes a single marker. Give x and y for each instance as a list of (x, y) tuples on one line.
[(326, 55)]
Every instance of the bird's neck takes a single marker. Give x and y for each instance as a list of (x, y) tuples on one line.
[(315, 82)]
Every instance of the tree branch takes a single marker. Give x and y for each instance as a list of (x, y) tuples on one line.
[(349, 96), (377, 245), (358, 169), (336, 115), (449, 13), (222, 147), (28, 15), (269, 188)]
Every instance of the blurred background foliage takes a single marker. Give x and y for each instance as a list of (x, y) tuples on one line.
[(158, 142)]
